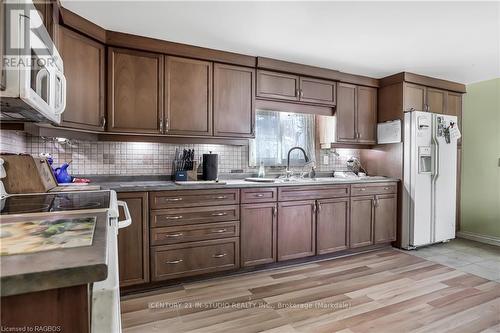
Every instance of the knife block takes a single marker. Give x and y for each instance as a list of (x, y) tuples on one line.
[(193, 174)]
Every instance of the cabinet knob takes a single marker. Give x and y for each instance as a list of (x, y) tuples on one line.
[(172, 262), (103, 122), (362, 189), (173, 199), (218, 231), (220, 197), (219, 214), (177, 217), (179, 234), (221, 255), (260, 195), (274, 211)]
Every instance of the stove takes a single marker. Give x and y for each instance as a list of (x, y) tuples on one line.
[(55, 202)]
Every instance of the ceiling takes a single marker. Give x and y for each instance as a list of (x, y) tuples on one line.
[(458, 41)]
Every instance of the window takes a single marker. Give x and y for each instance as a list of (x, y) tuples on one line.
[(276, 132)]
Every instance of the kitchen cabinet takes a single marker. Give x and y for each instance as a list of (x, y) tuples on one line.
[(46, 10), (317, 91), (414, 97), (454, 108), (133, 241), (356, 114), (135, 91), (362, 217), (332, 225), (234, 91), (273, 85), (436, 100), (258, 233), (385, 218), (84, 61), (188, 97), (296, 229)]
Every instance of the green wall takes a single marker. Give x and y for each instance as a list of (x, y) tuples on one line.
[(480, 159)]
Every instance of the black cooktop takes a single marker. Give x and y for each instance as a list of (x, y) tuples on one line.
[(54, 202)]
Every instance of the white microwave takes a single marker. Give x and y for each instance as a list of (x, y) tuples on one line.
[(33, 83)]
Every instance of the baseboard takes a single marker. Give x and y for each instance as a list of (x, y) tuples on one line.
[(479, 238)]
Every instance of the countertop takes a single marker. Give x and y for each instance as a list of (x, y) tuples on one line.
[(63, 267), (164, 185)]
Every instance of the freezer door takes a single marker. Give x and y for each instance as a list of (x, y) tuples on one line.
[(444, 179), (417, 201)]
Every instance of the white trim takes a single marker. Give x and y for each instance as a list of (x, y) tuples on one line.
[(479, 238)]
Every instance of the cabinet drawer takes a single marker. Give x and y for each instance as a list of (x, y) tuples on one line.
[(182, 216), (312, 192), (256, 195), (195, 232), (368, 189), (172, 261), (194, 198)]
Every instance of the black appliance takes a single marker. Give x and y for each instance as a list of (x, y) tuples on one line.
[(210, 166)]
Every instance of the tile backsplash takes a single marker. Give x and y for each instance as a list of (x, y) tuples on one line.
[(141, 158)]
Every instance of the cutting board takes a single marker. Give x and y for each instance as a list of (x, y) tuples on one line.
[(27, 174)]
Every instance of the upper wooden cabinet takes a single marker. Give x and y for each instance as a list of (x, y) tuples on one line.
[(278, 85), (356, 114), (188, 97), (413, 97), (84, 61), (428, 99), (436, 100), (317, 91), (234, 91), (135, 91), (133, 241), (273, 85)]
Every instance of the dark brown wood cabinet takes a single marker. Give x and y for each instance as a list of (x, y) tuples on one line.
[(356, 114), (278, 85), (135, 91), (436, 100), (296, 229), (317, 91), (84, 61), (133, 241), (234, 91), (188, 97), (385, 218), (332, 225), (258, 233), (362, 217), (414, 97), (289, 87)]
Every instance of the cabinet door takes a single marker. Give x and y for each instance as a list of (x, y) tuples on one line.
[(361, 228), (258, 233), (133, 241), (84, 70), (135, 91), (346, 112), (414, 97), (317, 91), (436, 100), (454, 108), (367, 114), (234, 91), (277, 85), (386, 207), (188, 97), (296, 229), (332, 225)]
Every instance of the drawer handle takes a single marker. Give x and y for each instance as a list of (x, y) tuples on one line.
[(218, 231), (219, 214), (386, 188), (172, 262), (362, 189), (222, 255), (173, 217), (260, 195), (179, 234), (173, 199), (220, 197)]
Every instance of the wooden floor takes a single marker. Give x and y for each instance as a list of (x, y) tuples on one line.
[(382, 291)]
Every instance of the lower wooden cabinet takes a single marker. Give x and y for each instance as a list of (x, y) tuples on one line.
[(133, 241), (361, 228), (386, 210), (194, 258), (296, 229), (332, 225), (258, 233)]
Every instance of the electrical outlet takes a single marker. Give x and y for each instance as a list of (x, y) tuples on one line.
[(326, 160)]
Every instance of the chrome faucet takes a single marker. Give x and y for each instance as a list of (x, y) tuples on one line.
[(288, 172)]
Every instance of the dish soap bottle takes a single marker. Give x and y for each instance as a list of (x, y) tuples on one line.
[(262, 171)]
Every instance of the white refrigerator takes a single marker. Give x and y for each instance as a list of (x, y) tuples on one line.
[(430, 168)]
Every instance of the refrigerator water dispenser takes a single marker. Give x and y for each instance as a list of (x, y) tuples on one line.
[(424, 159)]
